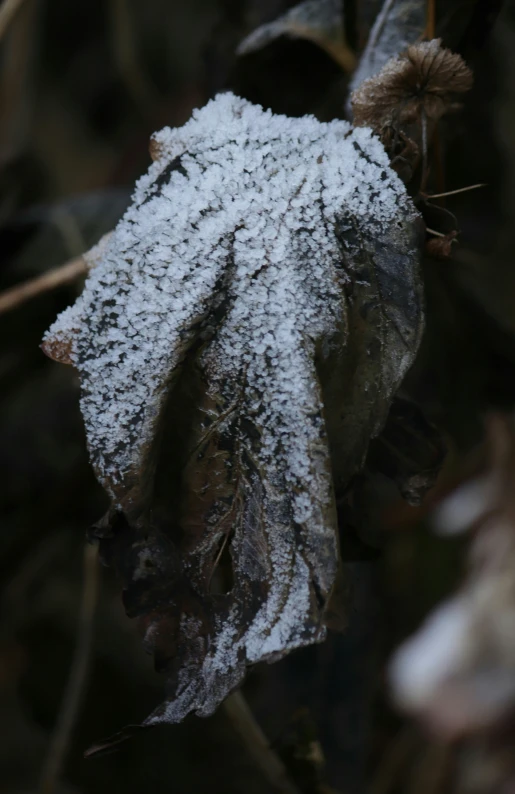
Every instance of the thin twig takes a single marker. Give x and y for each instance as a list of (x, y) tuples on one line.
[(77, 678), (433, 231), (459, 190), (430, 19), (16, 296), (438, 162), (218, 558), (394, 762), (8, 9), (259, 749), (432, 770)]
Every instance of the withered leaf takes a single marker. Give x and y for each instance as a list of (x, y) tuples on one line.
[(397, 25), (238, 345), (441, 247), (319, 21), (409, 450)]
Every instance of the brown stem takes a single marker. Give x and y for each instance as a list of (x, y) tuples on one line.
[(430, 19)]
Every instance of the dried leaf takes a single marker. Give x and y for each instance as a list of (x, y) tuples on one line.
[(404, 152), (238, 345), (441, 247), (409, 450), (398, 25), (423, 79), (59, 348), (319, 21)]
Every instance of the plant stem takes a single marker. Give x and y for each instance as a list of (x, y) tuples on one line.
[(77, 678), (15, 296), (259, 749)]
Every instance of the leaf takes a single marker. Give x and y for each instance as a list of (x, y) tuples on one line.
[(319, 21), (399, 24), (441, 247), (409, 450), (238, 345)]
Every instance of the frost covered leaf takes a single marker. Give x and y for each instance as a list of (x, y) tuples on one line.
[(319, 21), (238, 345), (425, 78)]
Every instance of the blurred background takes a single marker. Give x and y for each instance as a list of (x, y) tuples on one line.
[(82, 87)]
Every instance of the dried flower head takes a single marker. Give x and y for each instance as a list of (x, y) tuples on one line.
[(423, 79)]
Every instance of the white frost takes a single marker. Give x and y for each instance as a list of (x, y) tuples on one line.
[(259, 188)]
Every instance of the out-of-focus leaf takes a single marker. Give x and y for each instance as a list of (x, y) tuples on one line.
[(45, 235), (403, 460), (457, 673), (409, 450), (238, 345), (319, 21), (399, 24)]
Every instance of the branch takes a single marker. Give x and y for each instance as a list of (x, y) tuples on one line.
[(15, 296)]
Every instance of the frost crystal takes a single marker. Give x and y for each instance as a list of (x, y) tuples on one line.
[(257, 248)]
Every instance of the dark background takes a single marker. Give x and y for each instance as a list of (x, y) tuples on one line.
[(82, 86)]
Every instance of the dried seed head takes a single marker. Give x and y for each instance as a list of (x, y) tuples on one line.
[(424, 78)]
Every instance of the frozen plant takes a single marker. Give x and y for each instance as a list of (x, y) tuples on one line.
[(239, 339)]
